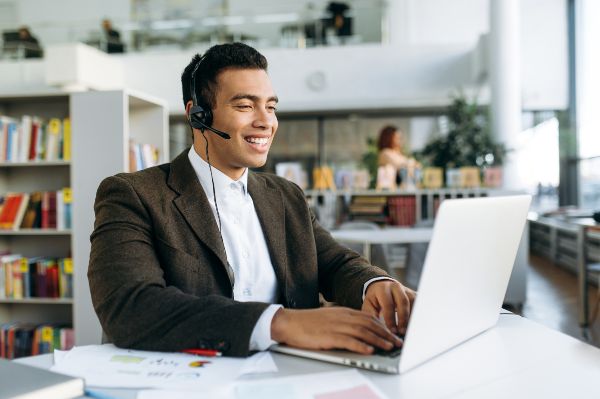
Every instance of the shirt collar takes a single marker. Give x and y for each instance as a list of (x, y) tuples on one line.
[(222, 181)]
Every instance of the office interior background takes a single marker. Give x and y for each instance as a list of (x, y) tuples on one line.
[(108, 72)]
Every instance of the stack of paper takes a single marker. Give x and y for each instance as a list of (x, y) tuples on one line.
[(107, 366)]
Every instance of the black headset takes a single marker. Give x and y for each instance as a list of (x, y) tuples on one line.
[(201, 116)]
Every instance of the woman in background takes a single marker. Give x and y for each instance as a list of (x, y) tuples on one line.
[(390, 144)]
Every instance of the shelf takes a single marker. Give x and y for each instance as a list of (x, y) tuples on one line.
[(388, 193), (33, 164), (37, 301), (35, 232)]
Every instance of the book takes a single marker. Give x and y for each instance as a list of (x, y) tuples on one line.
[(67, 193), (433, 178), (65, 277), (16, 224), (32, 216), (53, 139), (12, 142), (470, 177), (25, 138), (149, 156), (49, 210), (402, 210), (66, 144), (10, 210), (293, 172), (31, 382)]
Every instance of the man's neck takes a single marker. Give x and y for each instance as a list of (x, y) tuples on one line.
[(232, 173)]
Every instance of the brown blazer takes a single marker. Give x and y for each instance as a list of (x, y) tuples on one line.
[(158, 272)]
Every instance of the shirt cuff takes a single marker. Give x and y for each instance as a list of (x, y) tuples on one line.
[(372, 281), (260, 339)]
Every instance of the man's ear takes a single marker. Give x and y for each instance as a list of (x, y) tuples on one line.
[(188, 105)]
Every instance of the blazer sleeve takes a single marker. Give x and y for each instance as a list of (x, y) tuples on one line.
[(135, 306), (342, 272)]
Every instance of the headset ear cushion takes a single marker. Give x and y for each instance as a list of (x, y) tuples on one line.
[(200, 114), (208, 117)]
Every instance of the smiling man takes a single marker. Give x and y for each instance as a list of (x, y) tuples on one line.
[(204, 253)]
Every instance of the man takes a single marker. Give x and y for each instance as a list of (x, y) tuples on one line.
[(30, 45), (203, 253), (112, 38)]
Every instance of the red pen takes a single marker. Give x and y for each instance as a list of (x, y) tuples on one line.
[(202, 352)]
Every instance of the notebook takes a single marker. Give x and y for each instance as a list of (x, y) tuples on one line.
[(18, 381)]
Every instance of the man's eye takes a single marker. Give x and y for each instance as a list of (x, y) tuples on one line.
[(243, 106), (272, 108)]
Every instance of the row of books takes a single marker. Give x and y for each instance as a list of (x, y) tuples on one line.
[(25, 339), (369, 209), (402, 210), (37, 210), (396, 211), (37, 277), (142, 156), (33, 139)]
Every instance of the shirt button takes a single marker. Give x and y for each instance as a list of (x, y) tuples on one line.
[(247, 292)]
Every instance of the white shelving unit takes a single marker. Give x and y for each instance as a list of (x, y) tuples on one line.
[(102, 124)]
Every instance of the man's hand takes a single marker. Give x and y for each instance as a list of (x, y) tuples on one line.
[(387, 297), (332, 328)]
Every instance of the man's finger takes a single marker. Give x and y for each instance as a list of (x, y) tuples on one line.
[(402, 308), (352, 344), (369, 308), (367, 336), (388, 311), (377, 327)]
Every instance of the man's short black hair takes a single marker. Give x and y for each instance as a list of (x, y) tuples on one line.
[(215, 60)]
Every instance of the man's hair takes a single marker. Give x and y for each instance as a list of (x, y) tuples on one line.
[(386, 137), (214, 61)]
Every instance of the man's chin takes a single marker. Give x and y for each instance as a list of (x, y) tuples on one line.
[(256, 163)]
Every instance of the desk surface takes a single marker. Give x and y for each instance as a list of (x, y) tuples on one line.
[(391, 235), (516, 359)]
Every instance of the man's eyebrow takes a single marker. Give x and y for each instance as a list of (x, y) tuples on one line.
[(252, 97)]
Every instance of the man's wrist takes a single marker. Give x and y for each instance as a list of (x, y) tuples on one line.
[(374, 280), (279, 325)]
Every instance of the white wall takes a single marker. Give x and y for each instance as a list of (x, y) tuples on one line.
[(357, 77), (61, 21), (432, 60)]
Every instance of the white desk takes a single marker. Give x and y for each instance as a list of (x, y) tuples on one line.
[(390, 235), (516, 359)]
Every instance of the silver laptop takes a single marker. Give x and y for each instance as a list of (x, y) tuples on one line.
[(462, 286)]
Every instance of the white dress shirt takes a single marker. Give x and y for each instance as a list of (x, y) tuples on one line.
[(245, 245)]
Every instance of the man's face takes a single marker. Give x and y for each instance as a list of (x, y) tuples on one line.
[(245, 109)]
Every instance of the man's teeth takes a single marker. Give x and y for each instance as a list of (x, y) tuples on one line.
[(257, 140)]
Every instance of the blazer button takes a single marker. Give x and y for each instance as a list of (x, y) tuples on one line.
[(292, 303)]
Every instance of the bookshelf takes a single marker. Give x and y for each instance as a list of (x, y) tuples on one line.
[(426, 201), (102, 123)]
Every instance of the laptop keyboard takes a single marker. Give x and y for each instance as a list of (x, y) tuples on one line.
[(391, 353)]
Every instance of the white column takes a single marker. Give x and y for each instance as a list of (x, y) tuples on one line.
[(395, 22), (505, 82)]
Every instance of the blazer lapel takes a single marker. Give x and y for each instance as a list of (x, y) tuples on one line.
[(268, 203), (193, 205)]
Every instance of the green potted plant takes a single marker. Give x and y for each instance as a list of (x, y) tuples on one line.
[(468, 142)]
